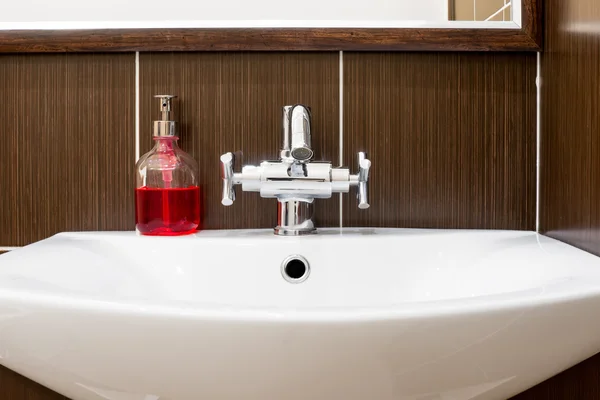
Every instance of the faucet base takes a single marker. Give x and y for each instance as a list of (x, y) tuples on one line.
[(280, 231), (294, 218)]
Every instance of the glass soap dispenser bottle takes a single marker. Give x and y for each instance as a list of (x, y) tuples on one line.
[(167, 194)]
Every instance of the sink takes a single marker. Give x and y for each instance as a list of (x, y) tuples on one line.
[(353, 314)]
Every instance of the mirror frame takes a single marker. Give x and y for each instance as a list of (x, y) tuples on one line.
[(528, 38)]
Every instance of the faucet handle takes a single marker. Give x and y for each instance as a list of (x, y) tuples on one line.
[(227, 162), (364, 164)]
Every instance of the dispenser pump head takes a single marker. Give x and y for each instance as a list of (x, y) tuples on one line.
[(166, 127)]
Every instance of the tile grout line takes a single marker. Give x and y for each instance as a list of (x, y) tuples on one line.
[(538, 128), (341, 127), (137, 106)]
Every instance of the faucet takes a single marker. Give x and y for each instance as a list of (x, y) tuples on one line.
[(294, 180)]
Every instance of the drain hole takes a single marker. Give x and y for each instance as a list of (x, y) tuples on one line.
[(295, 269)]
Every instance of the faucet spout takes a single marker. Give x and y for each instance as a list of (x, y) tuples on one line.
[(296, 133)]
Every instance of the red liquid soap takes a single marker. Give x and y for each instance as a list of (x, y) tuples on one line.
[(167, 212)]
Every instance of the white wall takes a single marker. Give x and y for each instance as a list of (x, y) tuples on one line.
[(30, 14)]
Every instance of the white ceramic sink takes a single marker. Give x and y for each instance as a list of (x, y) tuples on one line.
[(385, 314)]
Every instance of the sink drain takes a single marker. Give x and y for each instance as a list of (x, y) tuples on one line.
[(295, 269)]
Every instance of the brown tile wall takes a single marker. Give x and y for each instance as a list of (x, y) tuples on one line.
[(232, 102), (67, 144), (451, 137), (570, 181), (570, 177)]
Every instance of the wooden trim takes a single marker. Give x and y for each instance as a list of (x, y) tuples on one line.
[(532, 21), (279, 39)]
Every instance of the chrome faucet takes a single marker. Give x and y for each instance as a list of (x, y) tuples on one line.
[(294, 180)]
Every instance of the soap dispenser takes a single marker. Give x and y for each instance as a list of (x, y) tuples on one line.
[(167, 194)]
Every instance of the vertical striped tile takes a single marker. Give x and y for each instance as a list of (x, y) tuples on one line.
[(232, 102), (68, 144), (451, 137)]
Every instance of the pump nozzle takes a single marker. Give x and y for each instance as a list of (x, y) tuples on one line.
[(166, 126)]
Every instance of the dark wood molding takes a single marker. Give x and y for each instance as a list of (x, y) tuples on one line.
[(17, 387), (532, 19), (277, 39)]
